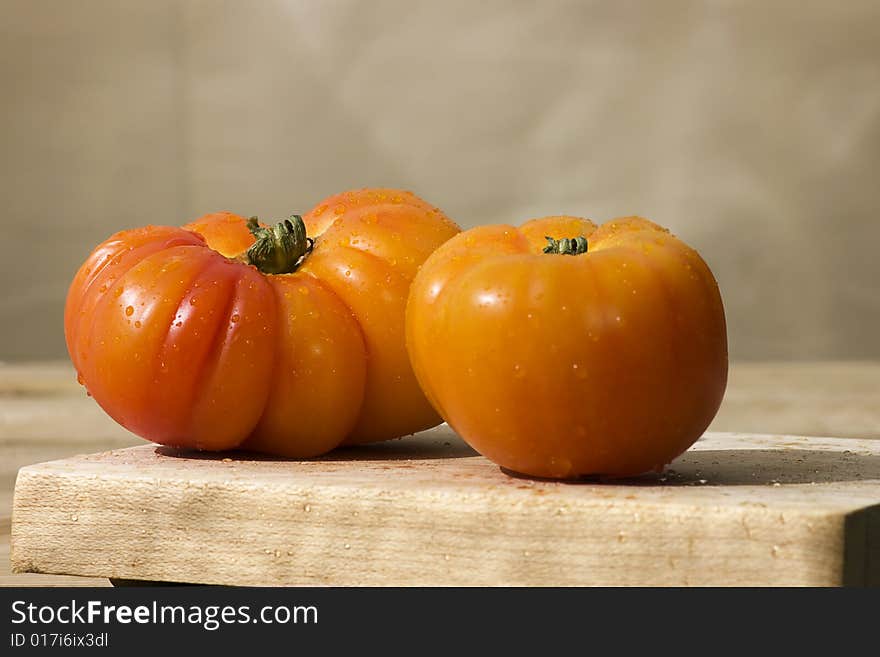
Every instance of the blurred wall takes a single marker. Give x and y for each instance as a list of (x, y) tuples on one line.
[(750, 128)]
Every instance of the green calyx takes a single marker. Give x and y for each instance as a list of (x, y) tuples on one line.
[(566, 246), (281, 248)]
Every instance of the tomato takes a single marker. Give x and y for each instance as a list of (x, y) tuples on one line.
[(182, 336), (605, 355)]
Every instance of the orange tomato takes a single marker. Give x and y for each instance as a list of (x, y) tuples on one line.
[(181, 336), (606, 355)]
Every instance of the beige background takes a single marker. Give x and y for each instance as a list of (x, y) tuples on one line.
[(751, 128)]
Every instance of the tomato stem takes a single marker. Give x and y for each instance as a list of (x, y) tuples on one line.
[(566, 246), (281, 248)]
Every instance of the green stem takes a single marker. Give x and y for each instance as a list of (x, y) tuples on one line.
[(566, 246), (281, 248)]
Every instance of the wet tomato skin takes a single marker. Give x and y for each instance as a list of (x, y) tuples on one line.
[(187, 346), (610, 362)]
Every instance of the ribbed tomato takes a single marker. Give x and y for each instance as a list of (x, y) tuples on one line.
[(203, 337), (603, 351)]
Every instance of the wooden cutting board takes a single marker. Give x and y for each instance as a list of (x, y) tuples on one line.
[(737, 509)]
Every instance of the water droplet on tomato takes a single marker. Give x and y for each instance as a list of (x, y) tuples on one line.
[(235, 317), (339, 209), (137, 324), (128, 311), (79, 379)]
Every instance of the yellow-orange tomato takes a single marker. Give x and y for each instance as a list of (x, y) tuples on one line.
[(611, 361), (181, 336)]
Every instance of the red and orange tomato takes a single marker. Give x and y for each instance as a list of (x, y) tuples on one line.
[(602, 351), (182, 336)]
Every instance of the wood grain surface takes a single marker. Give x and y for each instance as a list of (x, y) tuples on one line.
[(44, 415), (735, 510)]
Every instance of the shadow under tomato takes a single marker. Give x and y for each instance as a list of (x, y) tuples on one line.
[(414, 448), (749, 467)]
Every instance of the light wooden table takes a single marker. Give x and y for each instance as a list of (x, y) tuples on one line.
[(45, 415)]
